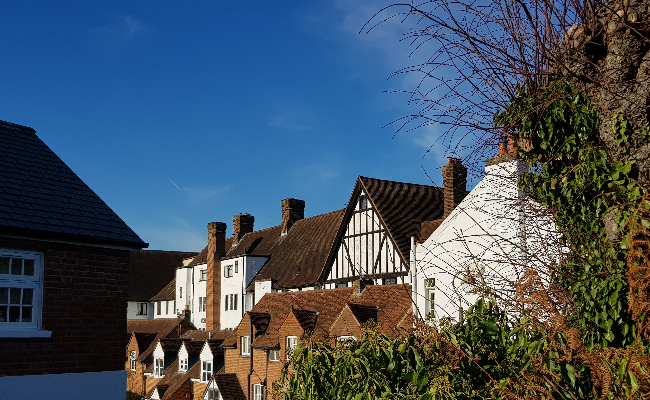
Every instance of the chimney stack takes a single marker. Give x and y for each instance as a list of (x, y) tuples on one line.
[(454, 177), (293, 210), (242, 224), (503, 147), (216, 250)]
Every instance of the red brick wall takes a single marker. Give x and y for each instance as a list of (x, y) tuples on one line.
[(346, 325), (84, 305)]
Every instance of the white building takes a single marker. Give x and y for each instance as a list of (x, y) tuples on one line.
[(487, 242)]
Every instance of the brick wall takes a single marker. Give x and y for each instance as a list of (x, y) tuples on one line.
[(133, 378), (84, 305)]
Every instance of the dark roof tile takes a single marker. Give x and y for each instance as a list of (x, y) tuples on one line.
[(27, 167), (151, 270)]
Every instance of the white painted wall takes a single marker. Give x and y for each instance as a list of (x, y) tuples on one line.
[(184, 287), (493, 235), (107, 385), (132, 310), (167, 309), (199, 291)]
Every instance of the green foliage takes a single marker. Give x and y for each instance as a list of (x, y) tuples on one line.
[(573, 175), (133, 396)]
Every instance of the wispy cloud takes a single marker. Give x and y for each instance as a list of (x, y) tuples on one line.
[(121, 30), (203, 193), (282, 123)]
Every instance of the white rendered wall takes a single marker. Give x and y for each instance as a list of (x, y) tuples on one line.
[(184, 282), (199, 291), (489, 240), (132, 310), (234, 286), (167, 309), (107, 385)]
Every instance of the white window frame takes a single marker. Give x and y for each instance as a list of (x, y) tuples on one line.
[(158, 367), (182, 365), (236, 267), (274, 355), (213, 394), (429, 296), (158, 308), (291, 344), (132, 357), (206, 371), (203, 275), (20, 281), (343, 339), (258, 392), (227, 271), (245, 346)]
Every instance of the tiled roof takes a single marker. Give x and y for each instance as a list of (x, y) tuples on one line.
[(229, 387), (151, 270), (202, 257), (40, 195), (161, 325), (173, 380), (299, 258), (167, 293), (428, 227), (393, 302), (364, 313), (144, 340), (403, 207)]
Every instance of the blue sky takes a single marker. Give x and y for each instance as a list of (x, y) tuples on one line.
[(179, 113)]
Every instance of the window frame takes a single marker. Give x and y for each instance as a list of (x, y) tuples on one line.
[(203, 275), (227, 271), (159, 308), (21, 281), (258, 392), (291, 342), (182, 364), (236, 266), (142, 308), (132, 356), (206, 371), (245, 346), (276, 353), (213, 393), (158, 367)]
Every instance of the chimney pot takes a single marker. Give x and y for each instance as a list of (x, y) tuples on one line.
[(293, 210)]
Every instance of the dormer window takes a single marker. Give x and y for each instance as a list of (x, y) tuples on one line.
[(158, 367), (182, 366), (206, 371)]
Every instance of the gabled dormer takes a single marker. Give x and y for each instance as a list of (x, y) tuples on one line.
[(211, 358)]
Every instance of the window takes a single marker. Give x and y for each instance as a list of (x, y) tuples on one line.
[(346, 339), (159, 307), (258, 392), (245, 345), (226, 302), (174, 309), (167, 307), (341, 285), (363, 203), (390, 281), (430, 295), (213, 394), (206, 371), (182, 366), (21, 289), (181, 293), (230, 302), (236, 266), (292, 343), (132, 357), (203, 275), (142, 308), (158, 367), (274, 355), (202, 304), (227, 271)]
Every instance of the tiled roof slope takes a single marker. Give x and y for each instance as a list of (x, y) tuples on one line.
[(151, 270), (161, 325), (202, 257), (300, 257), (403, 207), (167, 293), (39, 194), (392, 301), (229, 387)]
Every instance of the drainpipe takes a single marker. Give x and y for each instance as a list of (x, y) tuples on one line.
[(250, 354), (266, 378), (414, 277)]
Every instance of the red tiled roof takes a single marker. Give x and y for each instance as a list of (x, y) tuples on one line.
[(229, 387), (393, 303), (202, 257), (151, 270), (173, 380)]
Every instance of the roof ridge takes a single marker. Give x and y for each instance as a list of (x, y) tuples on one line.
[(17, 127), (404, 183)]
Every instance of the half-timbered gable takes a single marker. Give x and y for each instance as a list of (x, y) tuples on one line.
[(374, 241)]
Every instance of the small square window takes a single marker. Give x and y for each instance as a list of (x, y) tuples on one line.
[(142, 308), (274, 355), (227, 271), (258, 392), (206, 371)]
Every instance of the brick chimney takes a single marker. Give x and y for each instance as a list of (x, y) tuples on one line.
[(454, 178), (503, 147), (242, 224), (293, 210), (216, 250)]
